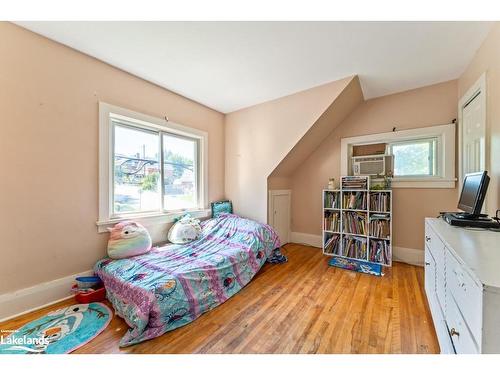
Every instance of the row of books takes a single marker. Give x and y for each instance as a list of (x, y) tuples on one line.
[(354, 247), (331, 221), (332, 199), (332, 244), (354, 200), (380, 202), (354, 222), (380, 251), (380, 228), (354, 182)]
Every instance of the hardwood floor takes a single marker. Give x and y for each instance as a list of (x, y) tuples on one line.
[(303, 306)]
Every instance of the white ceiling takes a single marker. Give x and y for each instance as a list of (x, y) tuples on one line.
[(232, 65)]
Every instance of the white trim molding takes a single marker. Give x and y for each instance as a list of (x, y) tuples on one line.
[(154, 219), (399, 254), (307, 239), (477, 90), (408, 255), (446, 154), (109, 113), (23, 301)]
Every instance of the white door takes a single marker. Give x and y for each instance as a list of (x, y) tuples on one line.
[(279, 207), (473, 136)]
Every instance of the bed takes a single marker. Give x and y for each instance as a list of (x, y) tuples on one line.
[(173, 285)]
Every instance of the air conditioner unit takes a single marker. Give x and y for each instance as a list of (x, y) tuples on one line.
[(372, 165)]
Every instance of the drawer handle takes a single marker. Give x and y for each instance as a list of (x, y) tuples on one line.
[(427, 238), (454, 332), (427, 264)]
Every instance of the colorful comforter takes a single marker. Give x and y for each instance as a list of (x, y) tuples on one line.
[(173, 285)]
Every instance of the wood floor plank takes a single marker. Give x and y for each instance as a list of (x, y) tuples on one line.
[(303, 306)]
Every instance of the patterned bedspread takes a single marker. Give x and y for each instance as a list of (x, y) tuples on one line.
[(173, 285)]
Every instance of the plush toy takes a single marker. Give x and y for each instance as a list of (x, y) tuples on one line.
[(128, 239), (185, 230)]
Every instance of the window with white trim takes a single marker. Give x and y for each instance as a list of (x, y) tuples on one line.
[(148, 166), (423, 157), (415, 157)]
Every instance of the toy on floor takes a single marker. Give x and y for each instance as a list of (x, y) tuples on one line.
[(128, 239), (89, 289)]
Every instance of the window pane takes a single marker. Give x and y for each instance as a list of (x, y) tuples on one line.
[(414, 159), (136, 170), (180, 171)]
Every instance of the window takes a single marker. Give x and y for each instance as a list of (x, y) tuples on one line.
[(423, 157), (180, 168), (149, 167), (136, 170), (415, 158)]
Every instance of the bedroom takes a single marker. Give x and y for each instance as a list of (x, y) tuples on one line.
[(104, 125)]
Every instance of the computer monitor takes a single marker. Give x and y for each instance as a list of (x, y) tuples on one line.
[(473, 193)]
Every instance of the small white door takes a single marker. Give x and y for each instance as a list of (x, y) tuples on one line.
[(279, 214)]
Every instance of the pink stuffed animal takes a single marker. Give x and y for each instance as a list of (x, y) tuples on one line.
[(128, 239)]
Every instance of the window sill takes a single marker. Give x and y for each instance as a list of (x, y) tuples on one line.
[(152, 219), (423, 183)]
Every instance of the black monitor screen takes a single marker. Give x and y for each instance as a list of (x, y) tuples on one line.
[(473, 192)]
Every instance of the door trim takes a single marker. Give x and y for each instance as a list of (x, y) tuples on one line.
[(478, 89), (270, 216)]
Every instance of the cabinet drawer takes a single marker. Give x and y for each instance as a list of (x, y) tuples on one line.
[(458, 330), (437, 249), (430, 274), (432, 241), (467, 294)]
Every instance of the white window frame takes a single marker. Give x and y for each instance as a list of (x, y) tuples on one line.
[(107, 113), (445, 154), (435, 155)]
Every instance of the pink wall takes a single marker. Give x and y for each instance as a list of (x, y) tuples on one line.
[(427, 106), (487, 59), (49, 152)]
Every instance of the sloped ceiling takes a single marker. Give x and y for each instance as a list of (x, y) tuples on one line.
[(340, 108), (258, 138), (232, 65)]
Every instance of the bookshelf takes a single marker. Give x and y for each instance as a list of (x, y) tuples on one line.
[(357, 221)]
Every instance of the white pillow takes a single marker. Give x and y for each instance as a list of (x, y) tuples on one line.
[(185, 230)]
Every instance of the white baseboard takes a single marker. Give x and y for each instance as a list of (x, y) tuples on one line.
[(35, 297), (306, 239), (400, 254), (407, 255)]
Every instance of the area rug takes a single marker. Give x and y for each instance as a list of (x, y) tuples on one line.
[(59, 332)]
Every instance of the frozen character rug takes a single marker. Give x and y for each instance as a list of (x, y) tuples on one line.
[(59, 332)]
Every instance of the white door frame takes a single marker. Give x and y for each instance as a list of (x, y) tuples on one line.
[(479, 87), (270, 213)]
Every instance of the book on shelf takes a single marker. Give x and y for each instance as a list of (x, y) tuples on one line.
[(380, 226), (354, 182), (380, 251), (380, 202), (354, 222), (331, 221), (332, 244), (331, 199), (355, 200), (354, 247)]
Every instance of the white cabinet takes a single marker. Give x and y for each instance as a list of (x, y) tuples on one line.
[(462, 284)]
